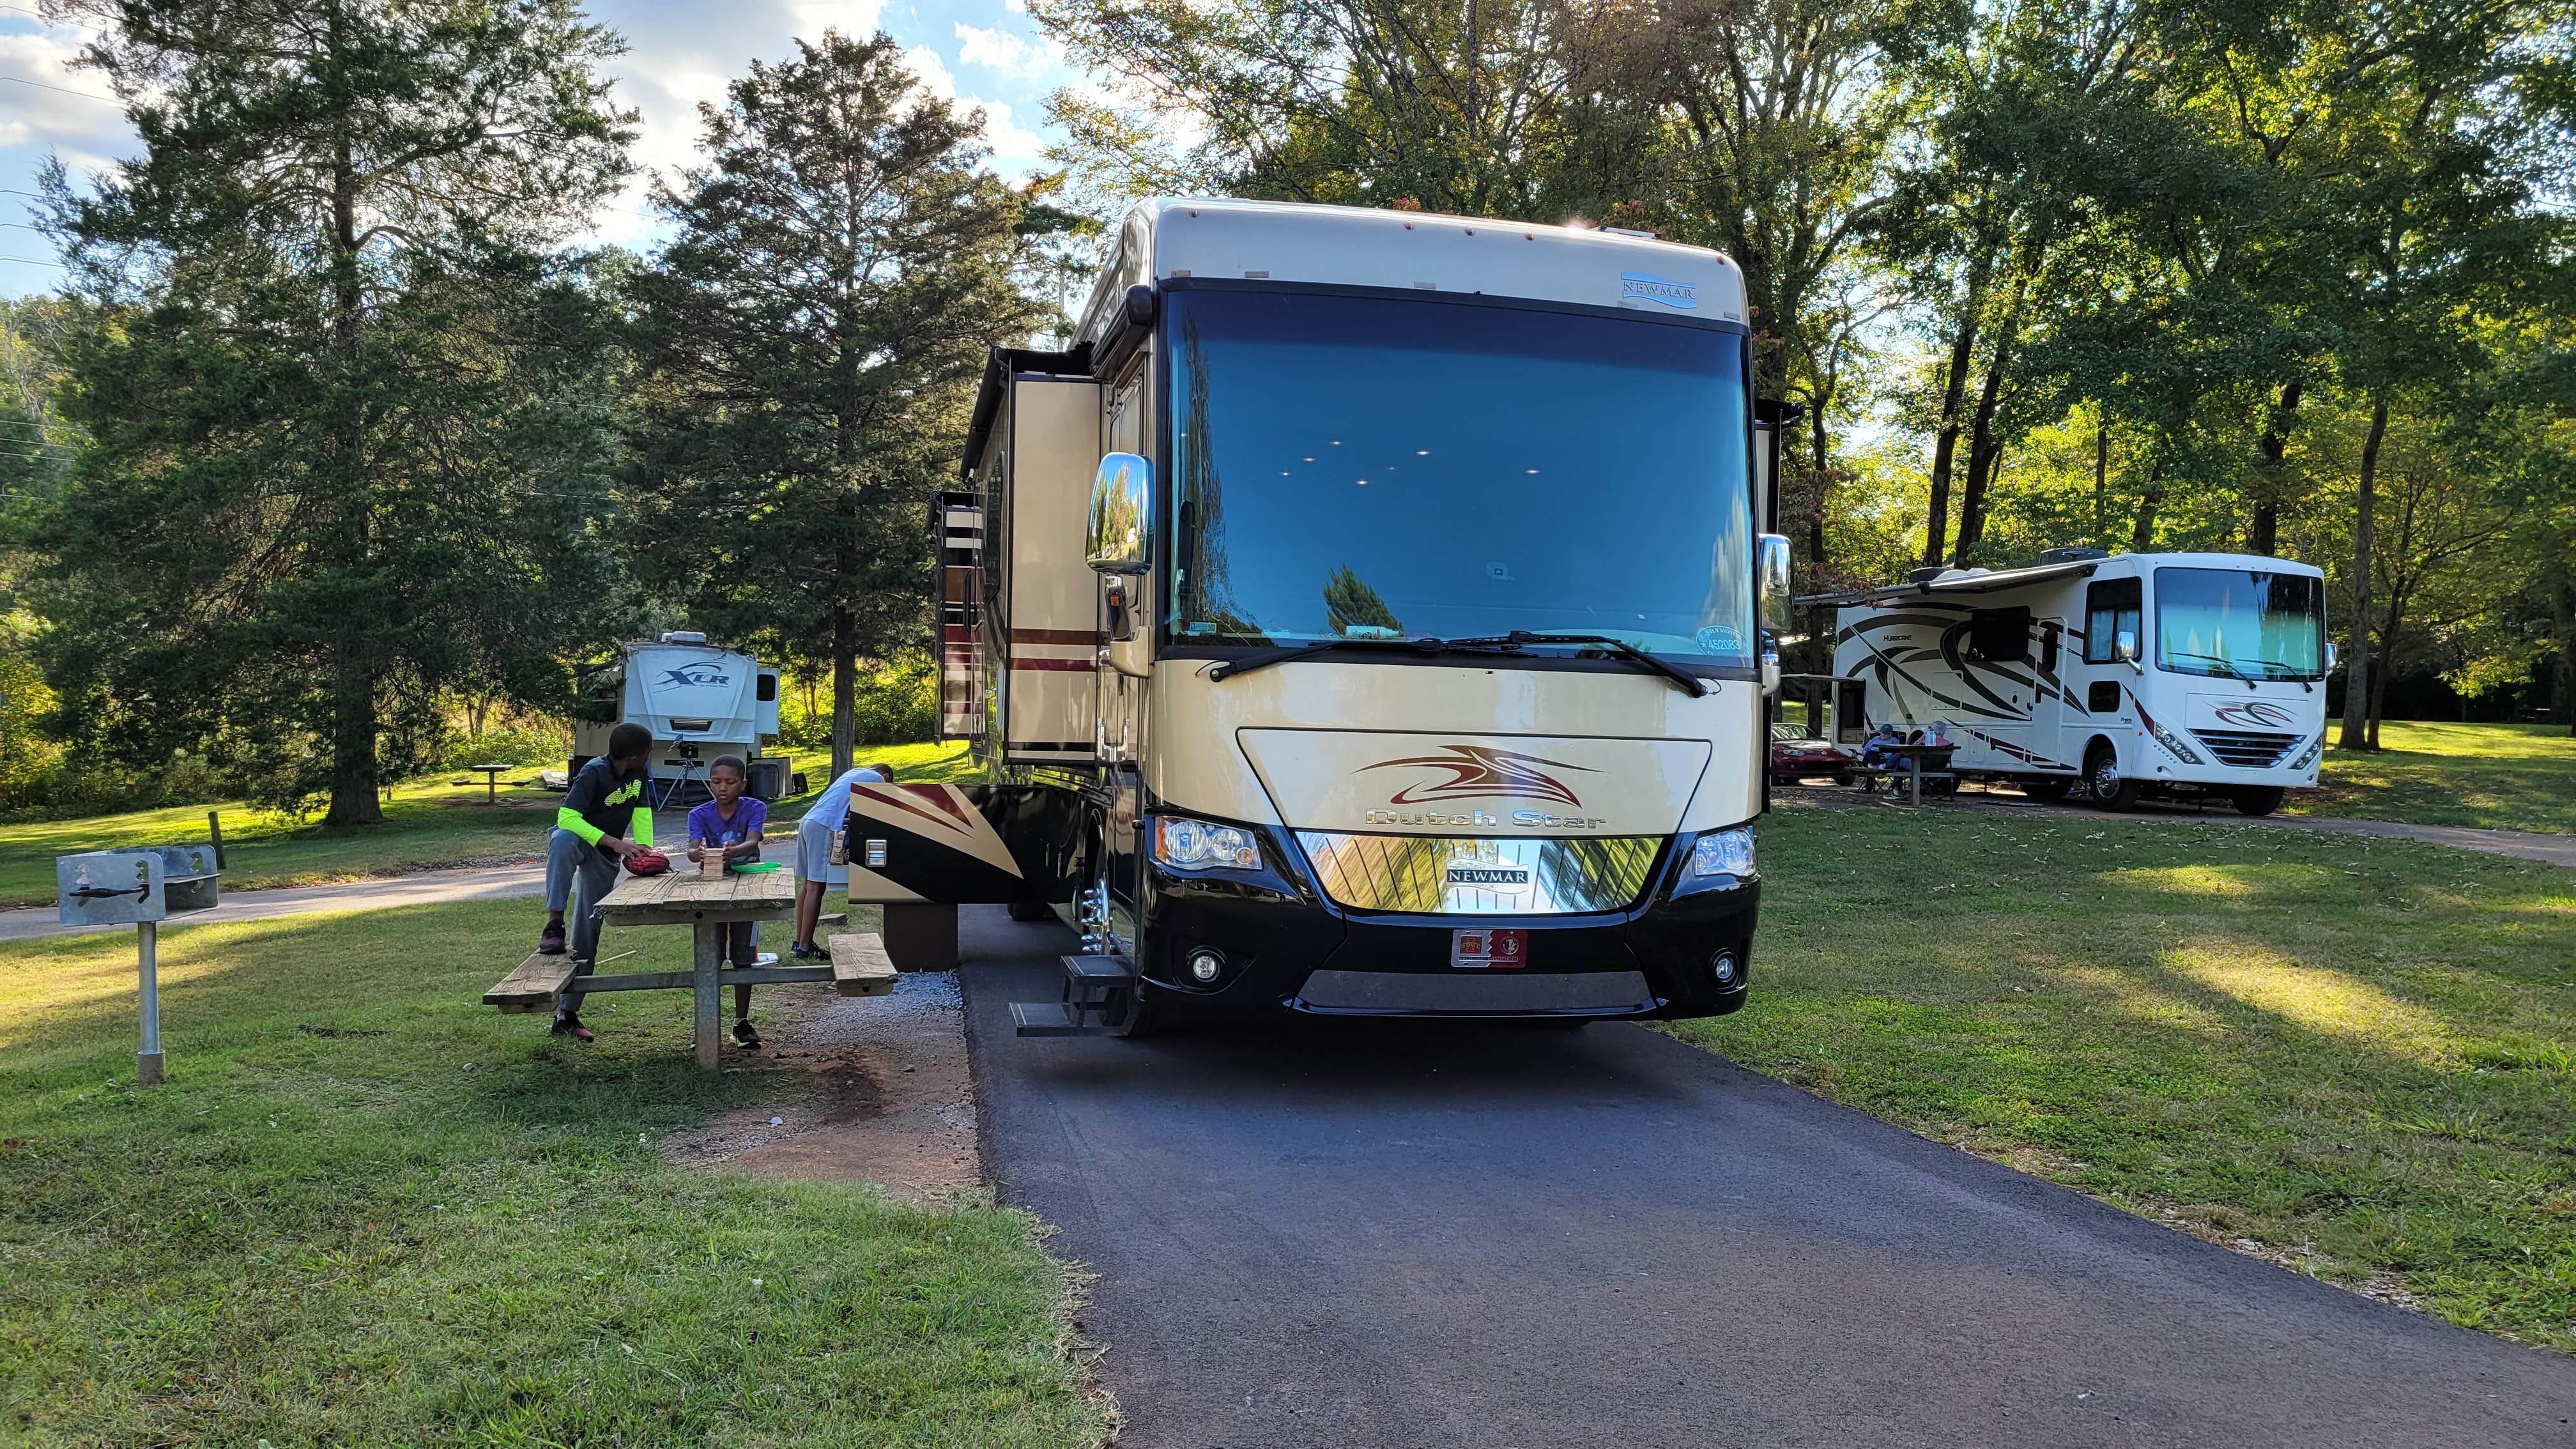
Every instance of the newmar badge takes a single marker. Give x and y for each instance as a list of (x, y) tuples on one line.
[(1636, 289)]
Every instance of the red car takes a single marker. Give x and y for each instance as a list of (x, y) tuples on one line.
[(1797, 755)]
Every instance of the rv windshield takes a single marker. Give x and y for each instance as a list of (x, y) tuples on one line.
[(2245, 624), (1363, 468)]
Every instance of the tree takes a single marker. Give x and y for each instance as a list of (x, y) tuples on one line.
[(343, 414), (809, 347)]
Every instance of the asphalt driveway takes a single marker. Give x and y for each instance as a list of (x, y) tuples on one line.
[(1368, 1234)]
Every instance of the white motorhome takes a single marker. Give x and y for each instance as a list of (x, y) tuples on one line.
[(1359, 618), (2170, 674), (700, 702)]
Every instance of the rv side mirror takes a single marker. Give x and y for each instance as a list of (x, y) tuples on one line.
[(2124, 647), (1122, 494), (1771, 558), (2330, 657)]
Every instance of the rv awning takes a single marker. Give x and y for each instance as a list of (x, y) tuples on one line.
[(1953, 584)]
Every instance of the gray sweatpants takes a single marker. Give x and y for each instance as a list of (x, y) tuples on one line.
[(572, 860)]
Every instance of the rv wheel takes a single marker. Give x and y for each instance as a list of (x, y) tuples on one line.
[(2257, 799), (2048, 790), (2104, 785)]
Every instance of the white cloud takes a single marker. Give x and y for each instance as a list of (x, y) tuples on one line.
[(1015, 147), (932, 72), (856, 19), (1006, 51)]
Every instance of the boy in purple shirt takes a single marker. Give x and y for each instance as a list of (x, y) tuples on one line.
[(730, 824)]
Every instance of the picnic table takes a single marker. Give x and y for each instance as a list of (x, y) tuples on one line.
[(491, 780), (1912, 760), (682, 897)]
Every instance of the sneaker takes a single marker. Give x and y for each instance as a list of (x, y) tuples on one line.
[(746, 1035), (550, 941), (803, 952), (569, 1024)]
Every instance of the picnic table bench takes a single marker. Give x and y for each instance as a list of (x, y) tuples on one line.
[(491, 780), (859, 965)]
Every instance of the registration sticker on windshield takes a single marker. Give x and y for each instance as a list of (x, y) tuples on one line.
[(1484, 950)]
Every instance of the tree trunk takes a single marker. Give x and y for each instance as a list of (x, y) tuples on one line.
[(2562, 603), (2263, 530), (1945, 444), (2356, 678), (1984, 453), (2101, 480), (1820, 620), (2142, 533), (354, 778), (845, 690), (2387, 652)]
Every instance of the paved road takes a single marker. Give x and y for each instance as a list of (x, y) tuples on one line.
[(426, 888), (2521, 844), (1413, 1237)]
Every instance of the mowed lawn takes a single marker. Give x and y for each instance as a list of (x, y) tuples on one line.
[(427, 823), (2499, 776), (2352, 1056), (366, 1209)]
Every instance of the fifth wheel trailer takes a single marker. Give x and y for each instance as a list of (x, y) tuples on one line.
[(2178, 675), (1364, 616)]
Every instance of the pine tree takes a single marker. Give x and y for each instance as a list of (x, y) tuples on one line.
[(347, 414), (810, 345)]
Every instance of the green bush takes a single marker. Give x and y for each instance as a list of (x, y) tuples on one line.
[(511, 744), (897, 704)]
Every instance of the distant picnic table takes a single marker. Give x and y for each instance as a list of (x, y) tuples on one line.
[(491, 780), (682, 897)]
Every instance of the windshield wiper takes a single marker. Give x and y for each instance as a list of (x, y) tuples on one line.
[(1512, 643), (1281, 655), (2228, 664)]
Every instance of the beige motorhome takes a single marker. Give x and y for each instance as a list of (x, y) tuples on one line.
[(1363, 616)]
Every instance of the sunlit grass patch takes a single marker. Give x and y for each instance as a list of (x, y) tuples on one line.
[(2500, 776), (2346, 1053)]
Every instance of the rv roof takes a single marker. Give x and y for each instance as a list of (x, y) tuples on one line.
[(1217, 239), (1958, 581), (1978, 581)]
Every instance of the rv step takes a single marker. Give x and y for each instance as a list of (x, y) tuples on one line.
[(1051, 1018), (1097, 970)]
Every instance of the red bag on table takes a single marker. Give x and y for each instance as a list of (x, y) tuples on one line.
[(647, 862)]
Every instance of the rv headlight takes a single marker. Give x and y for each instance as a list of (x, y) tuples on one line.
[(1723, 852), (2170, 740), (2308, 756), (1185, 844)]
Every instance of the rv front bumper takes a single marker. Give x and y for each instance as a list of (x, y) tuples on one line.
[(1277, 944)]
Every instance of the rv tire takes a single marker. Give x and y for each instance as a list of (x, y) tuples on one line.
[(2257, 799), (2104, 785)]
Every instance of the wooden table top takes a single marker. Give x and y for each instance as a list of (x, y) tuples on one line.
[(683, 892)]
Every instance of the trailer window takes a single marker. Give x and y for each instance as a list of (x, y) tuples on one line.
[(1364, 467), (2110, 611), (2048, 635)]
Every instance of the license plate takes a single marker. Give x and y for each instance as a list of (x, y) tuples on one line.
[(1501, 949)]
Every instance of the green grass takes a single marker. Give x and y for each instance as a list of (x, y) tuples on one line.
[(2354, 1053), (366, 1209), (2499, 776), (428, 823)]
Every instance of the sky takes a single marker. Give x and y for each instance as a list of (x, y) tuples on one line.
[(986, 53)]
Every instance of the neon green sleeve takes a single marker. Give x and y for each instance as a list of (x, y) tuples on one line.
[(567, 818), (640, 830)]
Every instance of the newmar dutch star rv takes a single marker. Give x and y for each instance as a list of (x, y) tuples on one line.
[(1360, 618), (2173, 674)]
